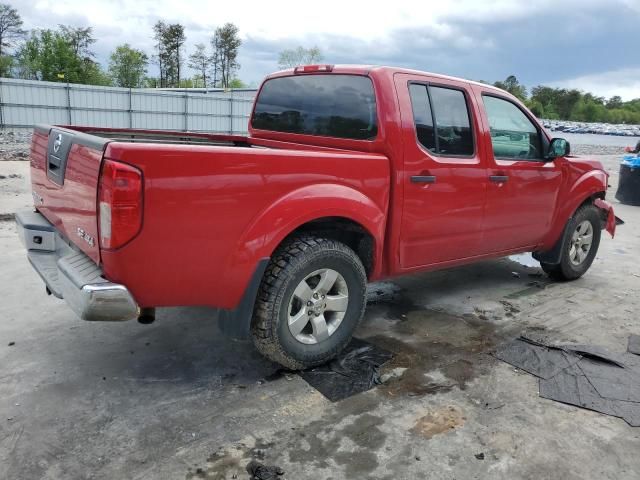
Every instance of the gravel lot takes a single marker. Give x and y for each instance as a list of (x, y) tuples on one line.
[(14, 145), (176, 400)]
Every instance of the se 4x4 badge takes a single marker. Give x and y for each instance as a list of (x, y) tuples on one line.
[(85, 236)]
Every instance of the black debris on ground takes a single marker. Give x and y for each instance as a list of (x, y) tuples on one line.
[(354, 371), (259, 471), (586, 376), (11, 344), (634, 344)]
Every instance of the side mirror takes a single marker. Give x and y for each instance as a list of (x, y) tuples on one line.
[(558, 147)]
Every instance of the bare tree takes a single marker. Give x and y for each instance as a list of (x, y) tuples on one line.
[(10, 27), (216, 46), (80, 39), (160, 57), (226, 44), (169, 39), (299, 56), (200, 62), (174, 39)]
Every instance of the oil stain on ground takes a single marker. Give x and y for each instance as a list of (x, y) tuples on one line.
[(345, 436), (439, 421), (229, 462), (437, 351)]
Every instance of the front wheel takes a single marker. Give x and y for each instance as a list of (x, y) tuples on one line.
[(580, 245), (311, 300)]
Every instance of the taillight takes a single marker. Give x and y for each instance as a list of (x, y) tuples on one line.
[(119, 203)]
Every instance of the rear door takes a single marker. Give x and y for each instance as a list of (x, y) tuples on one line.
[(65, 167), (522, 188), (444, 176)]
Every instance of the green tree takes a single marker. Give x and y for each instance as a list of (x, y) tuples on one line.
[(79, 40), (614, 102), (53, 56), (299, 56), (200, 61), (128, 66), (513, 86), (6, 65), (161, 56), (237, 83), (536, 108), (174, 38), (226, 44), (170, 40)]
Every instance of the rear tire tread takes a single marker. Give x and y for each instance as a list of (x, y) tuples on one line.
[(294, 252)]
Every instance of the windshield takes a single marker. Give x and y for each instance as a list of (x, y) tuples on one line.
[(342, 106)]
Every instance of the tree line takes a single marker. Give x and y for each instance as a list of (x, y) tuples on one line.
[(571, 104), (65, 54)]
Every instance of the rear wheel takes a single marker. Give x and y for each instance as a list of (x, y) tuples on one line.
[(311, 300), (580, 246)]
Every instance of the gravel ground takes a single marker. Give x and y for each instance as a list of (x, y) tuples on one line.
[(578, 149), (176, 400), (14, 145)]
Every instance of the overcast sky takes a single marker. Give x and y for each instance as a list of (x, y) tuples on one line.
[(592, 45)]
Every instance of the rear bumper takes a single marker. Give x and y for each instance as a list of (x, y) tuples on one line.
[(71, 275)]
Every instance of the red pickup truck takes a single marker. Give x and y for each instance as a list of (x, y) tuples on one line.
[(349, 174)]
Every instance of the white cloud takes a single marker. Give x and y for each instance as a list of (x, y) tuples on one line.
[(469, 38), (624, 82)]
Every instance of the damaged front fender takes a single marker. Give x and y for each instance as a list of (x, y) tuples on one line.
[(609, 217)]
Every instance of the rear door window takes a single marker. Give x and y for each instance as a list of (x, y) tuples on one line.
[(442, 119), (333, 105)]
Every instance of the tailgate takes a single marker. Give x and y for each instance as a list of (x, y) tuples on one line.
[(65, 166)]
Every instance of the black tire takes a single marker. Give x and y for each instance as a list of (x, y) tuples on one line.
[(566, 270), (289, 266)]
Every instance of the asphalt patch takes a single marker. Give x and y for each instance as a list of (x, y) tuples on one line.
[(586, 376), (355, 370)]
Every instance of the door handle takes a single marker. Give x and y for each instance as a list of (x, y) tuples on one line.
[(423, 179), (54, 162), (499, 178)]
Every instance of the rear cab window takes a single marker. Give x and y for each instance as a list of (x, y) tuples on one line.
[(442, 120), (328, 105)]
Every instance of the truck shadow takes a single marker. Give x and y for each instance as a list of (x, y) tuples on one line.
[(185, 347)]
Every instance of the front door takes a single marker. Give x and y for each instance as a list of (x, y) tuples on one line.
[(523, 187), (444, 177)]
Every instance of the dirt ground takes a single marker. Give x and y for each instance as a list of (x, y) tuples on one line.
[(176, 400)]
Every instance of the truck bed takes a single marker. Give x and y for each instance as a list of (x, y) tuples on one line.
[(204, 196)]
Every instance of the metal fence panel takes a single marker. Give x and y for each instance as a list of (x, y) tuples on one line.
[(24, 103)]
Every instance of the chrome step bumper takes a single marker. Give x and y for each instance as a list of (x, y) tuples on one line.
[(69, 274)]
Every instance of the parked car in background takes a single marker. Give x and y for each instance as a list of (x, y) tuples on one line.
[(349, 174)]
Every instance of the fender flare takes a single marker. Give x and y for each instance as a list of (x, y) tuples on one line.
[(293, 210), (589, 185)]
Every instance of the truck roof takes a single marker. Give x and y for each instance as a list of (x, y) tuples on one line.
[(385, 70)]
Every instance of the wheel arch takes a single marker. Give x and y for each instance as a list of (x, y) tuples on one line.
[(330, 206), (552, 254), (586, 189)]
